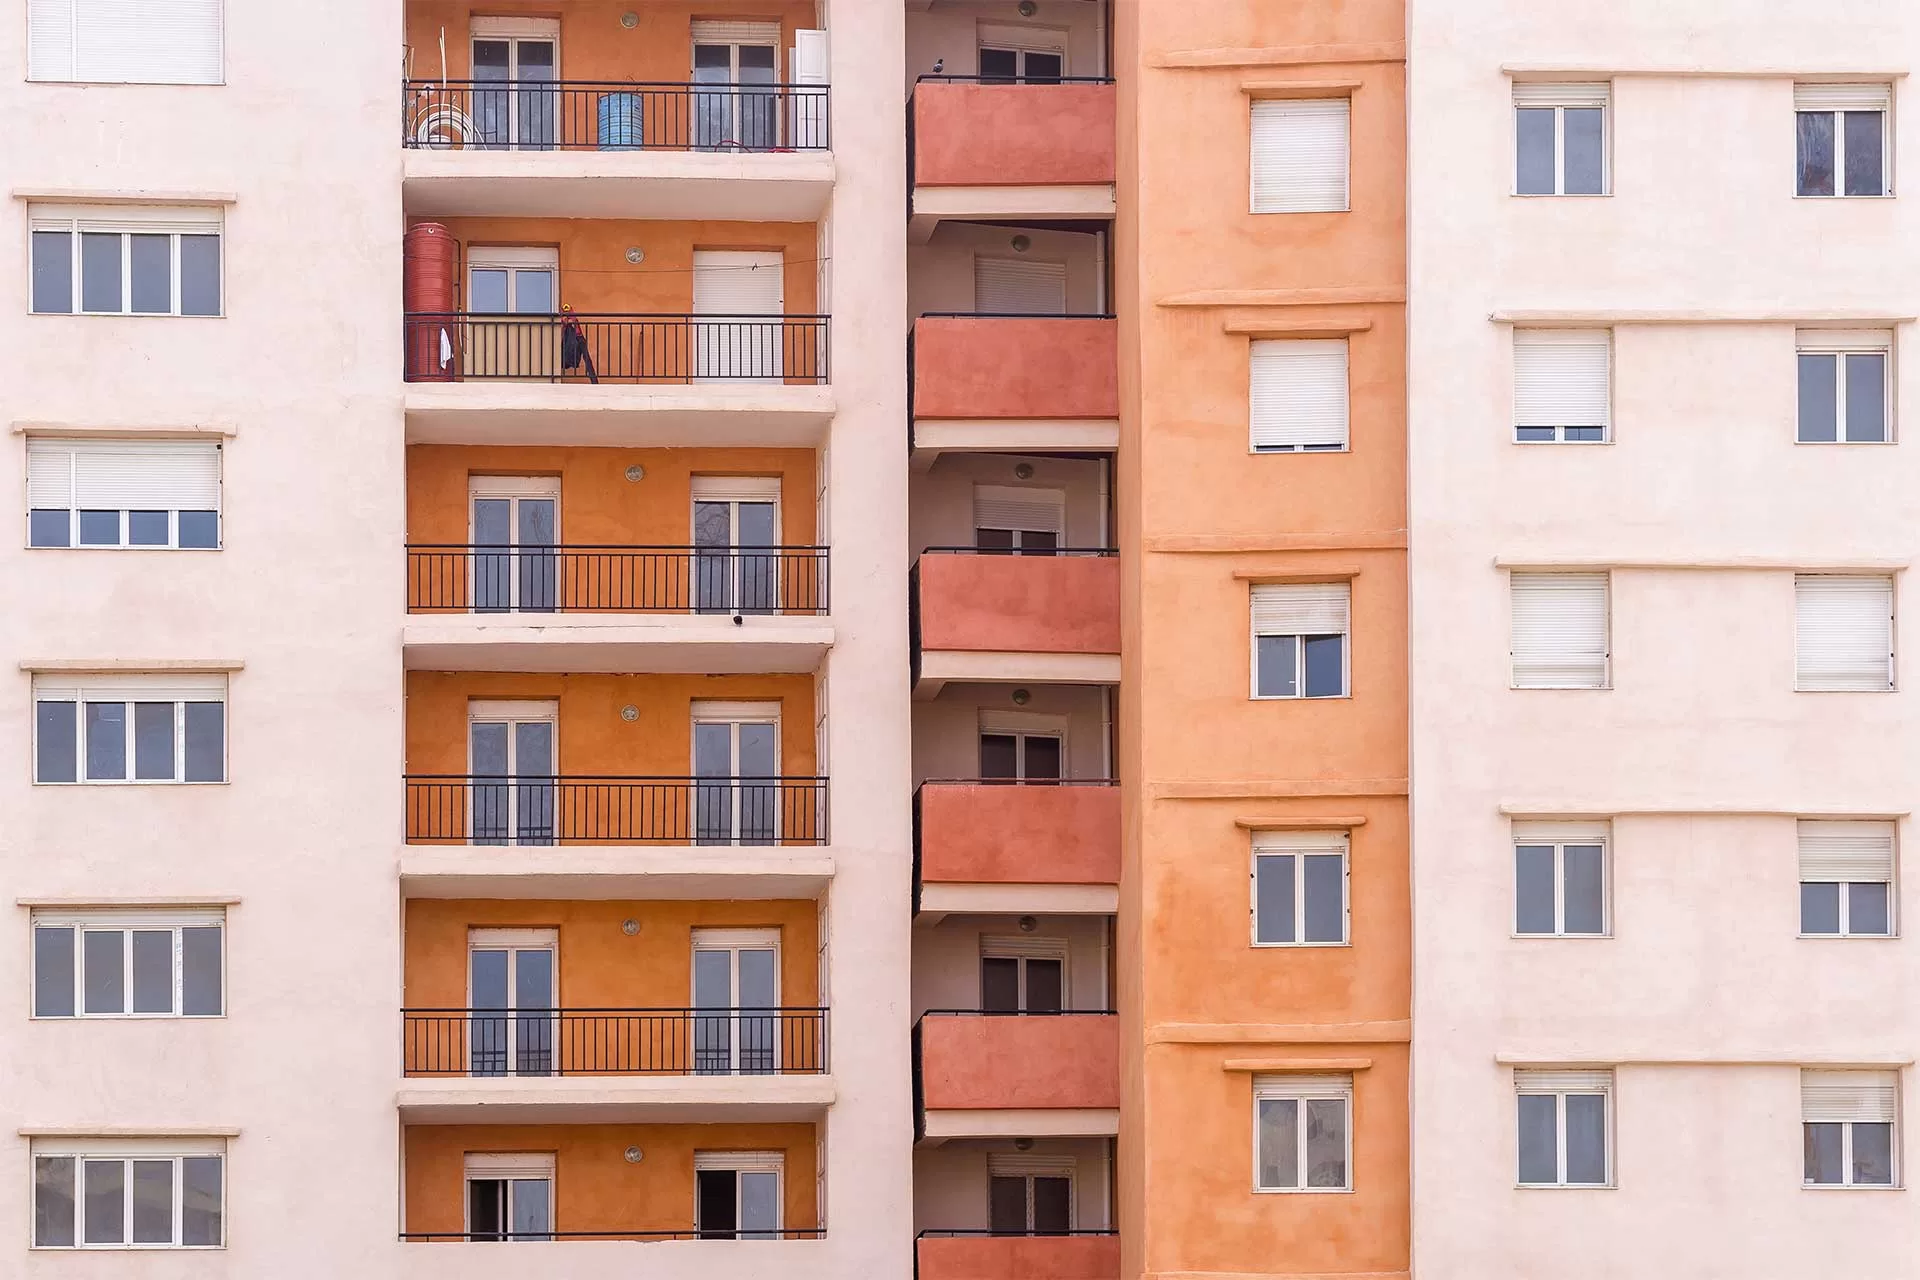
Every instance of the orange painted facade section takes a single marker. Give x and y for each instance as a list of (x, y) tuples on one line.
[(1019, 1257), (1012, 135), (980, 834), (1020, 604), (1015, 367), (1019, 1063), (594, 1187)]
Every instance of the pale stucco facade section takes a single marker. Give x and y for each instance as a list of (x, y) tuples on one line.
[(1703, 997)]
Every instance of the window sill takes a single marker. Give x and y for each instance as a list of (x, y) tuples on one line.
[(1282, 697), (1576, 444), (1300, 946), (1303, 1191), (1565, 1186), (1853, 1186), (1847, 937), (120, 315), (169, 550), (1885, 195), (1849, 444), (1562, 937), (1561, 195)]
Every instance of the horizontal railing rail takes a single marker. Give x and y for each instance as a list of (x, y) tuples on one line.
[(591, 115), (615, 347), (941, 77), (1017, 782), (539, 809), (455, 578), (1021, 551), (524, 1237), (1019, 1013), (949, 1233), (614, 1042), (1017, 315)]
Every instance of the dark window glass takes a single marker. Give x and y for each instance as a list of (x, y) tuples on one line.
[(53, 1201), (1273, 898), (153, 741), (206, 742), (147, 528), (199, 529), (1535, 435), (1052, 1206), (1819, 398), (1823, 1165), (999, 755), (999, 984), (1533, 889), (999, 65), (1866, 397), (1043, 758), (1864, 133), (104, 975), (152, 1196), (106, 740), (152, 271), (1586, 1138), (1326, 667), (1867, 908), (1585, 129), (1007, 1206), (1326, 1142), (717, 1203), (1584, 892), (486, 1208), (1000, 540), (57, 742), (153, 971), (1533, 146), (1043, 986), (1815, 153), (52, 272), (1044, 68), (100, 272), (1326, 883), (1584, 435), (52, 973), (1820, 908), (200, 976), (1873, 1154), (1276, 656), (99, 528), (1539, 1141), (1035, 542), (199, 275), (49, 528)]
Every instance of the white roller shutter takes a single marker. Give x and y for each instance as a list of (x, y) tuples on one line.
[(1027, 510), (730, 282), (1019, 287), (1297, 393), (166, 686), (1299, 162), (1867, 341), (1553, 93), (736, 488), (125, 41), (1837, 1097), (1561, 378), (728, 31), (1846, 852), (1299, 842), (1843, 97), (1302, 609), (742, 1161), (1287, 1085), (1531, 831), (1559, 630), (1578, 1081), (123, 475), (1843, 633), (1019, 945), (1028, 1165)]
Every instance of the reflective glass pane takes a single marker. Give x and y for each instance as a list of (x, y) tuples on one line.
[(1533, 146), (1044, 983), (757, 573), (487, 977), (1866, 397), (1007, 1206), (759, 1205), (152, 271), (199, 529), (492, 571), (1043, 68), (1326, 666), (1326, 1142), (53, 272), (1533, 889), (1873, 1154), (999, 984), (1042, 758), (993, 539), (1867, 908), (487, 989), (1823, 1164), (52, 972), (1052, 1205), (99, 528), (1820, 908), (999, 64), (105, 1189), (487, 756), (1814, 153), (100, 272), (1535, 435), (1819, 398), (206, 741), (104, 975), (1278, 1141), (1584, 129), (757, 1033), (487, 290), (539, 569), (1273, 898), (153, 1202), (533, 767), (53, 1201), (201, 977), (491, 59), (713, 989), (153, 971), (533, 292), (1585, 889), (1586, 1138), (56, 742), (1865, 132), (1275, 656), (200, 1200), (107, 740), (532, 1206), (1539, 1141), (533, 989), (153, 741), (199, 275), (999, 755), (1325, 877), (49, 528), (147, 528)]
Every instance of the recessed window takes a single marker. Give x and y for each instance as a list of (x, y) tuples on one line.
[(1019, 521), (159, 494), (737, 1194), (1847, 1128), (1562, 386), (1843, 633), (1303, 1133), (1300, 155), (1846, 879), (129, 1193), (108, 260), (509, 1196), (1022, 974), (1560, 139), (110, 963), (1564, 1128), (1299, 888), (1841, 139), (112, 42), (1297, 395), (1846, 388), (1030, 1195), (1018, 746), (1560, 879), (132, 728), (1300, 640), (1559, 636)]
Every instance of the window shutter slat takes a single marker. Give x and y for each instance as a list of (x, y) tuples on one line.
[(148, 41), (730, 282), (745, 1161), (1303, 1086), (1303, 609), (1297, 393), (1027, 510), (122, 475), (1843, 633), (1541, 832), (172, 686), (1559, 630), (1576, 1081), (1299, 160), (1027, 1164), (1553, 93), (1299, 842), (1867, 340), (49, 475), (1843, 97), (50, 39), (736, 488), (1561, 379), (725, 31), (1018, 945), (1836, 1097), (1840, 852), (1016, 287)]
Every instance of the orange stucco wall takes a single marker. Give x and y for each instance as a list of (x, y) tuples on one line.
[(973, 834), (1015, 1063), (1019, 1258), (1020, 604), (594, 1187), (1202, 519), (1012, 135), (1008, 367)]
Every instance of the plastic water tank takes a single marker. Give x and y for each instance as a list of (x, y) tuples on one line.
[(430, 274), (621, 124)]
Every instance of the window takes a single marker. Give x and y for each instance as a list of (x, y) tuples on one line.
[(1302, 1133), (138, 728), (1299, 155), (1560, 139), (1018, 521), (1297, 395), (1019, 287), (1846, 879), (1841, 133), (1017, 746), (111, 42), (1300, 640), (514, 527), (1562, 384), (738, 299), (737, 1194), (1560, 879), (513, 990), (1019, 974), (509, 1197), (740, 60), (1564, 1128), (1021, 55), (1843, 633), (123, 493), (736, 762), (112, 963), (1030, 1194), (1299, 888), (1560, 630), (523, 53), (1846, 1125), (736, 531), (1845, 393), (737, 973), (512, 755), (122, 1193), (127, 261)]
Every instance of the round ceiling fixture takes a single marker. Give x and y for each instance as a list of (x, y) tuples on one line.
[(633, 1155), (636, 255), (629, 713), (1028, 8), (1028, 924), (1022, 243), (1023, 1144), (629, 19), (629, 927), (1021, 697), (1024, 471), (636, 474)]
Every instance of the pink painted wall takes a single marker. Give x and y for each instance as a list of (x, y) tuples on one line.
[(1009, 1064), (977, 834), (1019, 1258), (1014, 367), (1012, 135), (1020, 604)]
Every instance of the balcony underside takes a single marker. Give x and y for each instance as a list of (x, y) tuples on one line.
[(940, 667), (938, 901), (716, 1099), (1086, 202), (935, 436), (613, 872), (753, 415), (617, 643), (680, 185), (1049, 1122)]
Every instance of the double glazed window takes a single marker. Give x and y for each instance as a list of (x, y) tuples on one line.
[(737, 1194), (128, 963), (512, 755), (123, 493), (513, 991), (1843, 633), (736, 530), (515, 62), (1297, 395), (736, 985), (1562, 386), (1846, 879), (1846, 395), (1846, 1123), (1303, 1133), (129, 1193), (736, 104), (1560, 879), (1300, 155), (1300, 640), (1013, 55), (509, 1196), (1559, 630), (1564, 1128), (1020, 747), (1030, 1195), (1022, 975), (515, 528), (736, 761), (1299, 888), (1560, 139), (1009, 520), (1841, 139), (106, 729), (102, 260)]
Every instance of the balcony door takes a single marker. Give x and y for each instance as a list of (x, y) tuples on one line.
[(737, 1194), (1022, 55), (733, 517), (1022, 975), (513, 295), (736, 71), (509, 1196), (1030, 1195), (1017, 747), (736, 767), (1013, 521), (514, 529), (512, 752), (513, 993), (739, 299), (736, 972), (516, 62)]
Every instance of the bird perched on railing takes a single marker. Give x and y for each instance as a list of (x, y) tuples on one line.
[(939, 65)]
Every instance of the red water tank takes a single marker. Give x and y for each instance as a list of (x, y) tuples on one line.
[(430, 276)]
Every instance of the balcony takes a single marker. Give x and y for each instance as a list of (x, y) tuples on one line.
[(1015, 383), (1042, 618), (980, 1075), (1048, 847), (546, 810), (489, 1043), (987, 150), (986, 1255)]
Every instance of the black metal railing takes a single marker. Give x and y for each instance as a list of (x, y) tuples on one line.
[(949, 1233), (522, 1237), (614, 579), (453, 346), (582, 115), (941, 77), (1017, 315), (1020, 1013), (536, 810), (614, 1042), (1094, 552)]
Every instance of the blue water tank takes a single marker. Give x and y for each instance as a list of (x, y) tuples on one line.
[(620, 122)]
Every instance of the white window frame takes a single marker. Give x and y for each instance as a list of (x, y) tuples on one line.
[(127, 221), (1021, 509), (1027, 1167), (1300, 845), (177, 689), (127, 1150), (734, 941), (1301, 1089), (509, 1167), (70, 450), (512, 489), (1541, 338), (1844, 853), (1878, 1102), (1256, 634), (1266, 357), (1020, 726), (511, 711), (1805, 585), (1021, 41), (736, 1163), (1837, 100), (125, 921), (1560, 97), (1842, 345), (1558, 835), (1296, 202), (1560, 1085), (1518, 579), (512, 259), (1022, 948)]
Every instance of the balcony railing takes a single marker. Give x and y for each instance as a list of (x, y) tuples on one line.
[(521, 1237), (454, 346), (579, 115), (615, 1042), (615, 579), (535, 810)]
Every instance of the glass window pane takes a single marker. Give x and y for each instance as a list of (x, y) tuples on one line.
[(1533, 889), (53, 1200), (1822, 1154), (1584, 893), (716, 1203), (487, 289), (533, 293), (107, 740), (147, 528), (1326, 1142), (713, 57), (1052, 1205), (532, 1206), (1044, 986), (993, 539), (53, 272), (1819, 398), (1043, 68), (1864, 131), (206, 741), (1539, 1143), (200, 1205), (1326, 892), (52, 972), (153, 1202), (1276, 656), (1873, 1154), (1586, 1138), (1584, 435), (487, 978), (104, 962), (153, 971), (1866, 397), (199, 275), (56, 742), (1043, 758), (1867, 908), (49, 528), (99, 272), (99, 528), (1279, 1142), (999, 63), (1273, 898), (201, 979), (759, 1204), (486, 1208), (1535, 435), (1533, 145), (1007, 1206), (199, 529), (999, 984), (1326, 666), (1585, 129), (153, 741), (152, 270), (999, 755), (491, 59), (1820, 908), (105, 1183), (1815, 153)]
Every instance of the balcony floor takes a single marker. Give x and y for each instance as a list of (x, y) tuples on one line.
[(679, 1099), (613, 872), (716, 415), (619, 643), (685, 185)]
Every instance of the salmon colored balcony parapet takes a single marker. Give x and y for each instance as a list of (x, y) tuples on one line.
[(1019, 604), (1040, 1062), (984, 1257), (1020, 367), (1012, 135), (984, 833)]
